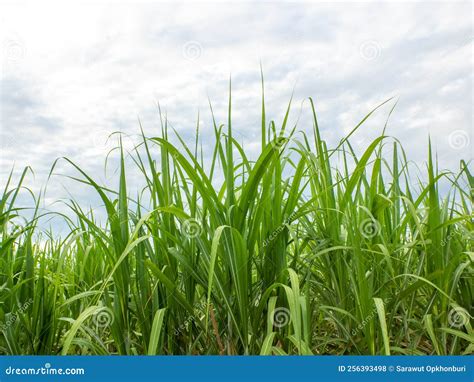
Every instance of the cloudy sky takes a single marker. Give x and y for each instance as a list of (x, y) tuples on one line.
[(70, 75)]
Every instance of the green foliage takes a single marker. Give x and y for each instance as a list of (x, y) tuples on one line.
[(306, 250)]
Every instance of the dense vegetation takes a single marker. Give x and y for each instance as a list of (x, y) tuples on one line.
[(306, 250)]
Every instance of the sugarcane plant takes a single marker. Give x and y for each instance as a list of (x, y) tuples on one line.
[(305, 249)]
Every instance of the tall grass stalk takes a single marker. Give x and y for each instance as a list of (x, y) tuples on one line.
[(305, 250)]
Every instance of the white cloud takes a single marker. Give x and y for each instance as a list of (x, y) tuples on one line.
[(72, 73)]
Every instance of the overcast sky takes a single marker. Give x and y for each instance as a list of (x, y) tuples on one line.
[(70, 75)]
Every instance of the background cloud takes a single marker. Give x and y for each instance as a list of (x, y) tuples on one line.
[(73, 74)]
